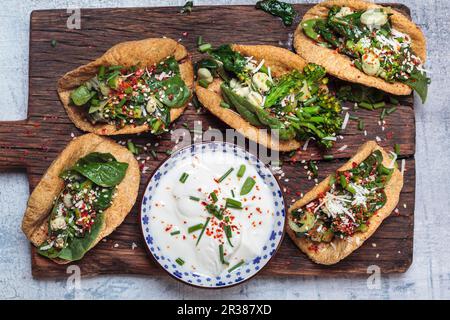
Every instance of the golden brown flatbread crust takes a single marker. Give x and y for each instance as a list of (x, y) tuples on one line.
[(324, 253), (40, 203), (280, 62), (143, 52), (340, 65)]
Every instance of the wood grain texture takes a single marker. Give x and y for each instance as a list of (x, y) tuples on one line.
[(34, 143)]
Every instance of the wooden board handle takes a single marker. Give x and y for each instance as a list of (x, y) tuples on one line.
[(13, 149)]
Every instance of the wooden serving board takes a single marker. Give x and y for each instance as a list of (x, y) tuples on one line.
[(33, 143)]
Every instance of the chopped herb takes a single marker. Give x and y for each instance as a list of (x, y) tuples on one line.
[(351, 117), (393, 100), (199, 40), (204, 47), (225, 175), (203, 230), (228, 233), (397, 149), (213, 197), (383, 114), (187, 8), (179, 261), (203, 83), (365, 105), (168, 152), (379, 105), (53, 43), (360, 125), (247, 186), (184, 177), (222, 257), (391, 110), (237, 265), (225, 105), (234, 204), (194, 198), (241, 171), (132, 147), (328, 157), (195, 227), (154, 155), (232, 193), (215, 211), (313, 167), (175, 233)]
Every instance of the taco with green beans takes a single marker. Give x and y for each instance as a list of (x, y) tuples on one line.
[(365, 43), (85, 194), (344, 210), (269, 94), (135, 86)]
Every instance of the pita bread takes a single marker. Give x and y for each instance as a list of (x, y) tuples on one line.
[(40, 203), (143, 52), (280, 61), (326, 253), (340, 65)]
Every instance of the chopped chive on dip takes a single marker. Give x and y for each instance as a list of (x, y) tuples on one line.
[(184, 177), (225, 175), (241, 171), (195, 228), (213, 196), (194, 198), (221, 255), (174, 233), (203, 230), (237, 265), (179, 261), (248, 185), (232, 203)]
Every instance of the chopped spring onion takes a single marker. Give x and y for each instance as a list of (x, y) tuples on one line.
[(204, 47), (199, 40), (195, 228), (225, 105), (213, 196), (179, 261), (228, 233), (225, 175), (232, 193), (174, 233), (194, 198), (203, 83), (360, 125), (379, 105), (222, 257), (203, 230), (132, 147), (237, 265), (397, 148), (248, 185), (234, 204), (328, 157), (241, 171), (391, 110), (184, 177)]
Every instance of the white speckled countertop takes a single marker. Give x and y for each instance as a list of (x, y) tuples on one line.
[(428, 277)]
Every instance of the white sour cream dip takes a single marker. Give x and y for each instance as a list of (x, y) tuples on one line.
[(177, 207)]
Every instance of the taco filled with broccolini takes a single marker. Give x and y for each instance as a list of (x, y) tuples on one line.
[(365, 43), (135, 86), (85, 194), (344, 210), (268, 94)]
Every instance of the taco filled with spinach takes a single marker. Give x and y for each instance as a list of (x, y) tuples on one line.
[(85, 194), (135, 86), (269, 94), (335, 218), (365, 43)]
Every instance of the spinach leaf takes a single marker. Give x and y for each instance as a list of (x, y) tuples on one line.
[(79, 246), (102, 169), (176, 93), (280, 9), (81, 95), (187, 8), (104, 198), (168, 65), (419, 82), (232, 61)]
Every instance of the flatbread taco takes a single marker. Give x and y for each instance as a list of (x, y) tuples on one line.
[(344, 210), (135, 86), (85, 195), (365, 43), (268, 94)]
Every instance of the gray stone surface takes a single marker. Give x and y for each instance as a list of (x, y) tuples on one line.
[(428, 277)]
